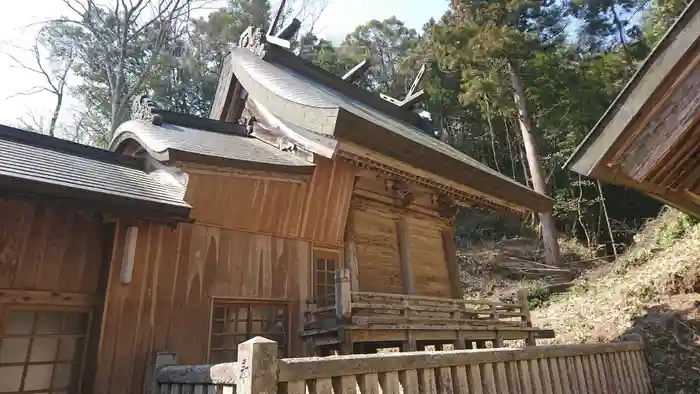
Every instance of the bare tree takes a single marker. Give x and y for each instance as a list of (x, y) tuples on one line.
[(52, 60), (120, 45)]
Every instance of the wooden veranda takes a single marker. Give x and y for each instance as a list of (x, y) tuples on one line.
[(363, 322)]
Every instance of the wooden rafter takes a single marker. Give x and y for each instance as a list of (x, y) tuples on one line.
[(460, 197)]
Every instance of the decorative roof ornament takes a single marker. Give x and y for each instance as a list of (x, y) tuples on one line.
[(412, 97), (254, 39), (356, 72), (144, 108)]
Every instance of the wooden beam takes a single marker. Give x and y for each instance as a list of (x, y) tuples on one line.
[(409, 101), (405, 256), (649, 79), (350, 254), (37, 297), (416, 81), (450, 250), (202, 169), (224, 90), (276, 20)]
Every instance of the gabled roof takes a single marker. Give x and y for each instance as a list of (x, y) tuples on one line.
[(171, 136), (307, 98), (168, 142), (652, 75), (43, 166)]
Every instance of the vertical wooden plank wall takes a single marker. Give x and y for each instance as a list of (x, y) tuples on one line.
[(252, 238), (50, 248), (375, 233), (52, 255)]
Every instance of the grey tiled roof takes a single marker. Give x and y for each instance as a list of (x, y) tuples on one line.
[(29, 157), (281, 87), (160, 140)]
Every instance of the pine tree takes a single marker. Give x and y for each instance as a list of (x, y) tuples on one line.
[(489, 42)]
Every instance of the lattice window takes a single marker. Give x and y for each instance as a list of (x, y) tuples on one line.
[(41, 351), (325, 264), (234, 322)]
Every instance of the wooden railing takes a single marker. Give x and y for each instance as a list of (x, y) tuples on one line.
[(615, 368), (368, 308), (363, 308)]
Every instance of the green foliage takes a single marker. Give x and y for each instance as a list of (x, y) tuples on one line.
[(468, 91), (388, 45)]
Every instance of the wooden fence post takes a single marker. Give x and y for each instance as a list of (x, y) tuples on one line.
[(257, 367), (159, 359), (525, 309), (343, 296)]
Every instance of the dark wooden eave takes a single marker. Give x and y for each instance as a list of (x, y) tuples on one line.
[(657, 74), (649, 139), (43, 167)]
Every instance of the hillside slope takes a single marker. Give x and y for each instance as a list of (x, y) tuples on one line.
[(650, 293)]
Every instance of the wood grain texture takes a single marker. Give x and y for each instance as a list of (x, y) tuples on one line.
[(374, 228), (375, 237), (177, 274), (46, 247), (659, 128), (430, 272), (314, 209)]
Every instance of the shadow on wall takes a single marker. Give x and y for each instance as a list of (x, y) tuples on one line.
[(671, 334)]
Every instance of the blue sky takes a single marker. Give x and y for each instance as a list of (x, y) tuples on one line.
[(18, 27), (342, 16)]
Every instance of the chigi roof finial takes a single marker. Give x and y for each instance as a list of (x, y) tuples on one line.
[(412, 97)]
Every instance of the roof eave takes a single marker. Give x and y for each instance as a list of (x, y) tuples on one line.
[(434, 162), (582, 161), (183, 156), (101, 202)]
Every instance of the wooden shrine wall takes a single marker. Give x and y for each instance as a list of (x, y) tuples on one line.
[(53, 259), (290, 206), (252, 239), (177, 273), (49, 248), (373, 222)]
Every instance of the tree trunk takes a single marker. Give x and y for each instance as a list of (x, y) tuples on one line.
[(548, 226), (56, 111)]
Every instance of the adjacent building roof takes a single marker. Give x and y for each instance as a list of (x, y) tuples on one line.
[(168, 142), (308, 98), (49, 167), (651, 76)]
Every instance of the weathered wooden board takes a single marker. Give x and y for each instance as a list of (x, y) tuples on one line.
[(428, 259), (377, 247), (374, 227), (659, 128), (177, 272), (313, 209), (47, 247)]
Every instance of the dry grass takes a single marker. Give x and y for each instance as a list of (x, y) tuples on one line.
[(496, 270), (650, 293)]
